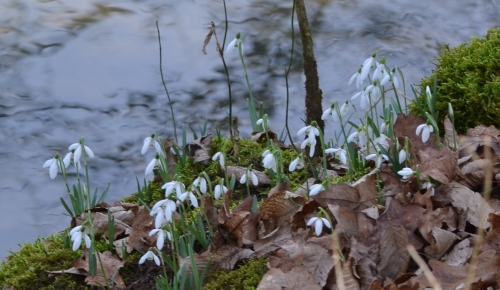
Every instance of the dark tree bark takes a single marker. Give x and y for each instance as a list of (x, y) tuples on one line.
[(314, 95)]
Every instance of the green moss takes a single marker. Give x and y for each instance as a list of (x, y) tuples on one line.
[(468, 77), (25, 269), (246, 277)]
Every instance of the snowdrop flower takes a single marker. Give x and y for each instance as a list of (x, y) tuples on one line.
[(149, 256), (356, 77), (333, 112), (150, 142), (377, 157), (53, 165), (426, 130), (360, 135), (70, 157), (192, 198), (77, 235), (364, 98), (318, 224), (383, 127), (373, 92), (402, 156), (406, 173), (263, 122), (427, 185), (297, 163), (340, 153), (235, 43), (152, 164), (78, 147), (250, 176), (163, 209), (367, 64), (201, 183), (219, 190), (270, 161), (312, 145), (315, 189), (160, 240), (310, 130), (170, 186), (220, 156)]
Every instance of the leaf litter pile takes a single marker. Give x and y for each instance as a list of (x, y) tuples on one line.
[(453, 225)]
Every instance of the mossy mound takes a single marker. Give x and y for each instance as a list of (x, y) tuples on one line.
[(26, 268), (468, 77), (246, 277)]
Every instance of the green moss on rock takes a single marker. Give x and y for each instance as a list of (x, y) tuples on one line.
[(468, 77), (246, 277), (26, 268)]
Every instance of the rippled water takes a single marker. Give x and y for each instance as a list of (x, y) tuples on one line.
[(76, 68)]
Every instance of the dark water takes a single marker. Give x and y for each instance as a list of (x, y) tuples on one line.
[(82, 68)]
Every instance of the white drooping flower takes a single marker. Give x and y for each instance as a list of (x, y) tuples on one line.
[(150, 142), (53, 165), (163, 210), (270, 161), (427, 185), (149, 256), (340, 153), (367, 64), (402, 156), (249, 175), (315, 189), (170, 186), (297, 163), (378, 158), (426, 130), (356, 77), (192, 198), (311, 142), (70, 157), (318, 224), (360, 135), (77, 236), (152, 164), (79, 148), (333, 112), (364, 98), (219, 190), (220, 156), (235, 43), (200, 183), (160, 239), (406, 173), (394, 78)]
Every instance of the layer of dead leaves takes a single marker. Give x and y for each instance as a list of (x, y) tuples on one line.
[(441, 223)]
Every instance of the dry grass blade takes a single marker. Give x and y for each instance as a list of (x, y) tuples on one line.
[(427, 272)]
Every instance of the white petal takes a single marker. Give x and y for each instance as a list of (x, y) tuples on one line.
[(53, 169), (145, 145), (143, 258), (89, 152), (426, 132), (154, 231), (311, 221), (151, 166), (67, 159), (88, 241), (293, 165), (78, 153), (318, 226), (74, 230), (352, 136), (243, 178), (354, 76), (326, 113), (326, 223), (371, 156), (73, 146), (77, 241), (315, 189), (231, 45), (402, 156), (48, 162), (203, 185), (159, 219), (356, 95), (161, 240), (302, 131), (194, 200), (419, 129), (157, 261), (255, 180), (343, 157)]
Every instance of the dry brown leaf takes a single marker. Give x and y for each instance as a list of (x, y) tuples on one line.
[(406, 126), (239, 171), (441, 241), (276, 211), (296, 279), (139, 238), (318, 261), (239, 226), (365, 266), (199, 149), (459, 254), (475, 137), (350, 280), (224, 257), (338, 194), (367, 189), (471, 204), (394, 257), (437, 164)]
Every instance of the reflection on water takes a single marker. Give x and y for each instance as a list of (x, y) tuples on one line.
[(81, 68)]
